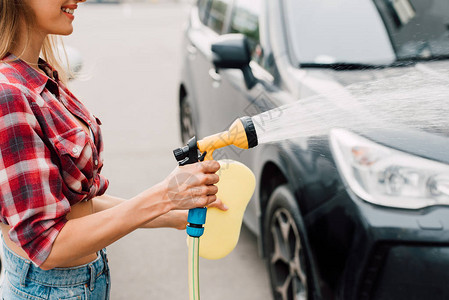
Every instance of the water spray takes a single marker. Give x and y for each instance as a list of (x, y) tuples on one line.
[(241, 134)]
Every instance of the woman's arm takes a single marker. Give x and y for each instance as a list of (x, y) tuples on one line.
[(106, 201), (173, 219), (186, 187)]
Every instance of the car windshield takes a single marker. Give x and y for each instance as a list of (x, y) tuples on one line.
[(369, 32)]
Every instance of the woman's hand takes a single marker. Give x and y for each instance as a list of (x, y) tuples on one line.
[(177, 219), (192, 185)]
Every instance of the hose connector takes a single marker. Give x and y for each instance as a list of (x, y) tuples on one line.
[(196, 220)]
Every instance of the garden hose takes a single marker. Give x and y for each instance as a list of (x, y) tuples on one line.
[(194, 285)]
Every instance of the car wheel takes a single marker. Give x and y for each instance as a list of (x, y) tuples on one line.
[(186, 118), (286, 255)]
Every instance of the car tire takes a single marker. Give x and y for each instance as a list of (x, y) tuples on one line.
[(186, 120), (287, 259)]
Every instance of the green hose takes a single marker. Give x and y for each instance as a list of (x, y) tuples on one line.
[(194, 283)]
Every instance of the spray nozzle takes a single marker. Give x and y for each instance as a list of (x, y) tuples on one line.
[(241, 134)]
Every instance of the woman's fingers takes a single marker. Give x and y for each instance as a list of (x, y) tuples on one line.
[(218, 204), (213, 189), (193, 185), (211, 179), (209, 166)]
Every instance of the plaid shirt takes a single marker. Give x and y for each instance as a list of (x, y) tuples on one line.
[(48, 162)]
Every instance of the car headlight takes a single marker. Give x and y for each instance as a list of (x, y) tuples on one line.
[(389, 177)]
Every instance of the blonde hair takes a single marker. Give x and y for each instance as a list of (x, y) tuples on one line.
[(12, 14)]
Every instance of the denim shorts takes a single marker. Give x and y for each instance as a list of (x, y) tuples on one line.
[(24, 280)]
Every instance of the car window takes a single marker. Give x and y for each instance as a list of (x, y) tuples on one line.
[(371, 32), (203, 9), (217, 15), (417, 29), (324, 33), (245, 20)]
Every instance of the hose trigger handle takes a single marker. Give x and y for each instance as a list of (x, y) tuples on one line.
[(197, 216)]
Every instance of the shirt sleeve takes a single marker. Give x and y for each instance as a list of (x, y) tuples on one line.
[(31, 197)]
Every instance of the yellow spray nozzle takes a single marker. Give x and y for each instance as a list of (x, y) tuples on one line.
[(241, 134)]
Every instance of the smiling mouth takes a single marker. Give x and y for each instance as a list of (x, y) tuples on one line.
[(68, 10)]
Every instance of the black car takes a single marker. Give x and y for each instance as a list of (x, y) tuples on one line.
[(352, 192)]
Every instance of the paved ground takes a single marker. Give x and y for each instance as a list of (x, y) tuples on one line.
[(131, 55)]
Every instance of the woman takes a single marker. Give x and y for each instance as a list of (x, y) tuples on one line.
[(55, 217)]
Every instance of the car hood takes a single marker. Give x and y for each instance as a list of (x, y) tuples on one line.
[(406, 108), (408, 98)]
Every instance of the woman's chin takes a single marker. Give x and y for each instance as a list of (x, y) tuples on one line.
[(67, 30)]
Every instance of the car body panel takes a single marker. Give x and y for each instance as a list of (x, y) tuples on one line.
[(346, 236)]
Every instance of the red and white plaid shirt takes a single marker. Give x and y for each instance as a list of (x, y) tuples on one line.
[(48, 162)]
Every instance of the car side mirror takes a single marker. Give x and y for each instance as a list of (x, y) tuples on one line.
[(231, 51)]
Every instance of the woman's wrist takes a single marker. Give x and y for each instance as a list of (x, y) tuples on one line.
[(176, 219), (154, 199)]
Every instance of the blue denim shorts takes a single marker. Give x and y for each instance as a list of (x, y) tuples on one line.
[(24, 280)]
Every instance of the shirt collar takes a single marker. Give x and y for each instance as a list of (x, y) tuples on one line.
[(34, 79)]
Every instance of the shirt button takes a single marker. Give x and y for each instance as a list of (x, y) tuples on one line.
[(90, 122), (75, 150), (96, 162)]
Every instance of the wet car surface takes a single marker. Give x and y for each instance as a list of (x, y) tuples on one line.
[(351, 203)]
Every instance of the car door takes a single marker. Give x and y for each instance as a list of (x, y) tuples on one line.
[(203, 31), (233, 98)]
